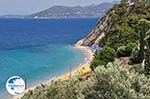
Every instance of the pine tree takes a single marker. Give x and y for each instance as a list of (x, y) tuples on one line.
[(147, 53), (142, 25), (144, 29)]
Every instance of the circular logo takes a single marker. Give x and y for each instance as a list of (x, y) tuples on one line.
[(15, 85)]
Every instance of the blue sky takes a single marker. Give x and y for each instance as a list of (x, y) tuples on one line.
[(31, 6)]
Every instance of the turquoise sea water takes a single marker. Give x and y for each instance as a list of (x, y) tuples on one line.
[(37, 50)]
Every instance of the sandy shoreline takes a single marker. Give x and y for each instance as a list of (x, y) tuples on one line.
[(86, 63)]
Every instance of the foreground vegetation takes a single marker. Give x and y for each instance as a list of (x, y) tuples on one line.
[(129, 37), (106, 82)]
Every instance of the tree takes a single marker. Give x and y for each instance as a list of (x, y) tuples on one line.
[(145, 43), (143, 27), (147, 53), (107, 54)]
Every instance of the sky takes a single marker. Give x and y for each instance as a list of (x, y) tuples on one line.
[(25, 7)]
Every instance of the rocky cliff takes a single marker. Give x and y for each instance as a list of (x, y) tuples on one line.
[(95, 36)]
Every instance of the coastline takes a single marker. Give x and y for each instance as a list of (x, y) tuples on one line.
[(80, 69)]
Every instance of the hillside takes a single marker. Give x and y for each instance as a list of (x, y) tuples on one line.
[(73, 12), (96, 35), (120, 16)]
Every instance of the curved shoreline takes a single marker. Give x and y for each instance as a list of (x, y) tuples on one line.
[(87, 60)]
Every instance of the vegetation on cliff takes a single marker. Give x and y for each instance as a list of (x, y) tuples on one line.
[(103, 57), (130, 23)]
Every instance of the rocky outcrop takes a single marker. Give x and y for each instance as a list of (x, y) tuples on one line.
[(96, 35)]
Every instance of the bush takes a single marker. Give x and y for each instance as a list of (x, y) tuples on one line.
[(69, 89), (137, 68), (125, 51), (121, 52), (119, 36), (130, 47), (114, 82), (135, 57), (107, 82), (97, 62), (107, 54)]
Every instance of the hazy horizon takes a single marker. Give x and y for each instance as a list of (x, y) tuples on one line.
[(24, 7)]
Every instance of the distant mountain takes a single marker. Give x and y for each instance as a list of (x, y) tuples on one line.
[(90, 11), (73, 12)]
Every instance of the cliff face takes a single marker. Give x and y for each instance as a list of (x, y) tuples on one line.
[(96, 35)]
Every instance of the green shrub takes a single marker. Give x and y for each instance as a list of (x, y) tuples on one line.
[(107, 54), (120, 36), (137, 69), (107, 82), (130, 47), (125, 51), (69, 89), (135, 57), (114, 82), (97, 62), (121, 52)]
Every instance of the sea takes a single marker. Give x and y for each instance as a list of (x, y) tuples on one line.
[(39, 49)]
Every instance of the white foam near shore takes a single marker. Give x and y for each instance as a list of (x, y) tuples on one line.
[(88, 58)]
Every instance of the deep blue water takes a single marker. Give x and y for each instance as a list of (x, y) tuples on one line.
[(39, 49)]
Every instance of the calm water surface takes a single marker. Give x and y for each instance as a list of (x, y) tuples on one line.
[(36, 50)]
